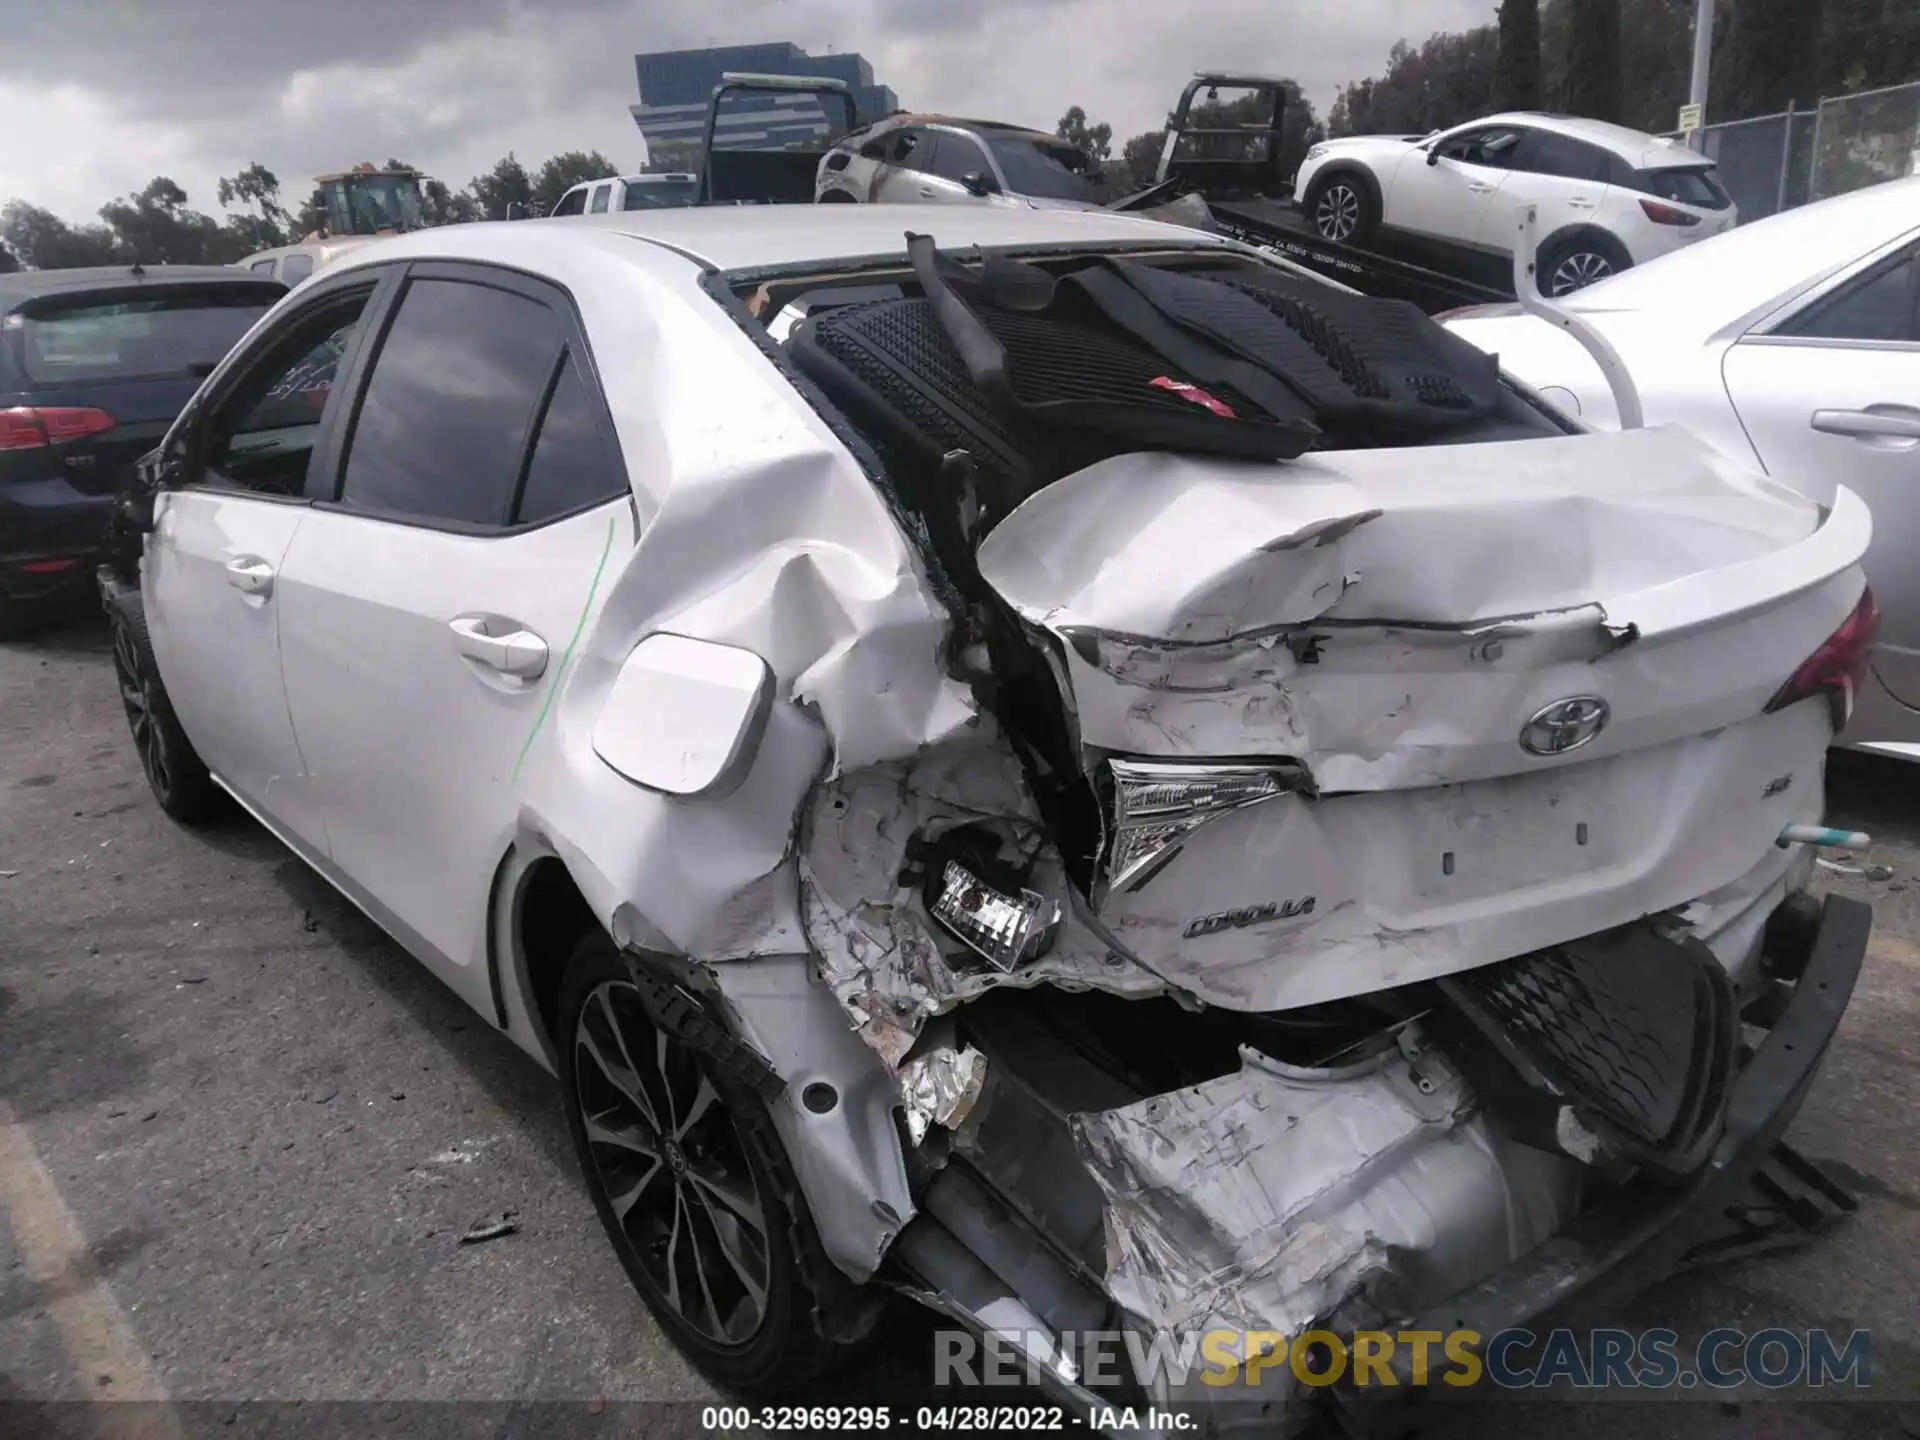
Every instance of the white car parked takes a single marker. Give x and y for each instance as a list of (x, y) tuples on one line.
[(1793, 342), (660, 190), (1608, 197), (1109, 827)]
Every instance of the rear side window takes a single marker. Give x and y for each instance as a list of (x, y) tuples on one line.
[(1541, 152), (1699, 187), (571, 466), (1880, 305), (296, 268), (451, 400), (574, 202), (142, 335), (601, 194), (262, 267)]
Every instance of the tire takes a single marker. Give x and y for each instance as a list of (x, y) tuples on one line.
[(1564, 266), (173, 768), (686, 1233), (1340, 208)]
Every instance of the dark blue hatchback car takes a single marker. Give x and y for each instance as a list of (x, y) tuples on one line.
[(94, 365)]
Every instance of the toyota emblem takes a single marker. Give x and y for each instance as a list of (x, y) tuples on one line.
[(1564, 725)]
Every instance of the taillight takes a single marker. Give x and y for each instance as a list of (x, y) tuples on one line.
[(1666, 214), (32, 427), (1839, 667)]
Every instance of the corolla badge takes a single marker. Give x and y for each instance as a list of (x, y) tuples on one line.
[(1564, 725)]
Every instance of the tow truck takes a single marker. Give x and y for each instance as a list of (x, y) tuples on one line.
[(1235, 170)]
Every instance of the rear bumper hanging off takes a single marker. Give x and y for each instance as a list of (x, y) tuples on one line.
[(1613, 1252)]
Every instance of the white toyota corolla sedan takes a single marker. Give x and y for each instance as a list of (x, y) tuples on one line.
[(1793, 342), (1052, 765)]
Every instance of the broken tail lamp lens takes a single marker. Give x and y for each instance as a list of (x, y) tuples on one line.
[(1005, 929), (1157, 807), (1839, 667)]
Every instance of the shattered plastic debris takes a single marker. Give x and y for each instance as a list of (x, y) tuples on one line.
[(487, 1230), (940, 1088)]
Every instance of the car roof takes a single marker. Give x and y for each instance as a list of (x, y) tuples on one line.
[(1636, 147), (23, 285), (748, 237), (959, 122), (1761, 264)]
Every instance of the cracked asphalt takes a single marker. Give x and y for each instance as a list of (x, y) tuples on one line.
[(242, 1134)]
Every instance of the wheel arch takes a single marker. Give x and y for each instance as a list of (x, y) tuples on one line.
[(1585, 232), (848, 1156), (1353, 169)]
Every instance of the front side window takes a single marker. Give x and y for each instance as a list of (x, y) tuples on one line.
[(1048, 169), (452, 396), (1492, 148), (957, 156), (262, 437)]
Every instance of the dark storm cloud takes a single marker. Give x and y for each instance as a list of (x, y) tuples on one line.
[(197, 88)]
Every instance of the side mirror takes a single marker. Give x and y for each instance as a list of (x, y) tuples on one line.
[(1433, 156), (978, 182)]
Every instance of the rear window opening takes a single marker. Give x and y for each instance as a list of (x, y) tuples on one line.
[(136, 336), (1688, 185), (795, 307)]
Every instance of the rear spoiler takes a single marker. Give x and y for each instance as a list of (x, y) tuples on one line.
[(1661, 611)]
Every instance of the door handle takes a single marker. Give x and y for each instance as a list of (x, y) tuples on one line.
[(927, 191), (1876, 422), (1579, 202), (250, 575), (1479, 189), (503, 645)]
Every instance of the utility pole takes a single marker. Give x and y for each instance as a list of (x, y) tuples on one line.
[(1702, 59)]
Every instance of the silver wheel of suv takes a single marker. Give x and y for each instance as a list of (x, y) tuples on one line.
[(673, 1168), (1337, 215), (1578, 270)]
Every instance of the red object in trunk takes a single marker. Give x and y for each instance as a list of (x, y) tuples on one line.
[(1193, 393)]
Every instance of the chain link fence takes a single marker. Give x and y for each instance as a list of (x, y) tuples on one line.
[(1862, 139), (1774, 162)]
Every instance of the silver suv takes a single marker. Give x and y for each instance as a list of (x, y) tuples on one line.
[(922, 159)]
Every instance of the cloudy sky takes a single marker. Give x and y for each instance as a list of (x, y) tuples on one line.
[(98, 96)]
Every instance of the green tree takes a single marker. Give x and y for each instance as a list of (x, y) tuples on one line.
[(1766, 54), (1096, 140), (506, 186), (1517, 78), (265, 222), (154, 225), (7, 263), (1448, 80), (560, 173), (1590, 86), (1141, 155), (41, 240)]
